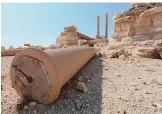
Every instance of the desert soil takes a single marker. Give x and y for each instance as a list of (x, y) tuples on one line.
[(115, 86)]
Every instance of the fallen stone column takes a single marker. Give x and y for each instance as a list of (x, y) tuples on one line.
[(39, 75), (9, 52)]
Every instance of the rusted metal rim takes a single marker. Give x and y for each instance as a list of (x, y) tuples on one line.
[(50, 67)]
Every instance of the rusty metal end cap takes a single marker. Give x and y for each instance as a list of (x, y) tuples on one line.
[(34, 76)]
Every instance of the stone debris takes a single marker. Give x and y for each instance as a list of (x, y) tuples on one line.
[(26, 107), (70, 28), (35, 111), (118, 75), (115, 53), (80, 78), (144, 52), (89, 81), (32, 104), (106, 69), (122, 57), (78, 105), (81, 87), (82, 42), (20, 103), (70, 36)]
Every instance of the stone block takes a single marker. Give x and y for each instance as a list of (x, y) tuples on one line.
[(142, 37), (157, 36), (151, 12), (143, 31), (157, 20)]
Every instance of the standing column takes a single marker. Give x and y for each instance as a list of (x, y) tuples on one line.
[(98, 26), (106, 25)]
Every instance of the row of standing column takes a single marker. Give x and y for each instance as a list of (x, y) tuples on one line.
[(106, 26)]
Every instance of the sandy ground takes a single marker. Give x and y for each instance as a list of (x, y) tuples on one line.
[(132, 86)]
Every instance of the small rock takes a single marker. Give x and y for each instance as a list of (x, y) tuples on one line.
[(81, 87), (26, 107), (118, 75), (73, 109), (136, 89), (145, 83), (148, 93), (89, 81), (106, 69), (32, 104), (150, 70), (78, 105), (80, 78), (130, 61), (122, 57), (35, 111), (139, 78), (154, 105), (10, 106), (20, 101), (88, 105), (20, 104)]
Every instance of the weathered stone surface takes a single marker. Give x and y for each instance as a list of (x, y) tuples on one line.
[(128, 40), (82, 42), (157, 19), (142, 37), (122, 19), (81, 87), (158, 43), (67, 39), (112, 53), (157, 36), (71, 36), (142, 19), (151, 12), (144, 22), (70, 28), (156, 30), (144, 31), (147, 43), (146, 52)]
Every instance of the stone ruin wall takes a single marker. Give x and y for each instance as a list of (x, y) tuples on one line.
[(145, 25)]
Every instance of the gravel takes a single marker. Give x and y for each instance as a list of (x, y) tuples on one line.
[(118, 90)]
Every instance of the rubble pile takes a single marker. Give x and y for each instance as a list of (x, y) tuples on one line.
[(68, 37), (144, 49), (145, 52), (72, 38)]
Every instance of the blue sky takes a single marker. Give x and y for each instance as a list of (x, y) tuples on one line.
[(41, 23)]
